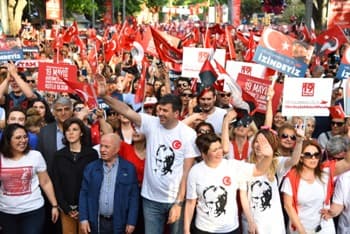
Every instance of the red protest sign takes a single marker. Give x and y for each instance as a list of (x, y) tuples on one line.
[(49, 76), (258, 88)]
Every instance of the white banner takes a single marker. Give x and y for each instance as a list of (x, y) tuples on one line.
[(307, 96), (250, 69), (193, 59)]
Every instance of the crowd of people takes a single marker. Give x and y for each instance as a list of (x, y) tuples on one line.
[(179, 162)]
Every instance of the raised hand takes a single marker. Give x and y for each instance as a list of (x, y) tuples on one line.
[(101, 85)]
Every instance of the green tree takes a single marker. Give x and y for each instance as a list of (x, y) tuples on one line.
[(319, 12), (248, 7)]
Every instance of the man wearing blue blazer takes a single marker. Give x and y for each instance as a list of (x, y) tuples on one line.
[(109, 195)]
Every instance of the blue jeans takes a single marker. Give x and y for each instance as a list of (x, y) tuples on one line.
[(156, 215), (26, 223)]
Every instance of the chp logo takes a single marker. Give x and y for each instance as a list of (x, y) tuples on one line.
[(176, 144), (308, 89)]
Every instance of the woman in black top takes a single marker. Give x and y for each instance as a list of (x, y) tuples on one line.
[(69, 164)]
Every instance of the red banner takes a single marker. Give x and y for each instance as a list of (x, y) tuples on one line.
[(236, 12), (108, 17), (339, 13), (258, 88), (53, 10), (49, 76)]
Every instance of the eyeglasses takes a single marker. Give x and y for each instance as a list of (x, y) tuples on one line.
[(182, 84), (78, 109), (111, 113), (311, 155), (338, 124), (285, 136), (50, 95), (203, 131), (31, 81), (225, 95), (186, 95)]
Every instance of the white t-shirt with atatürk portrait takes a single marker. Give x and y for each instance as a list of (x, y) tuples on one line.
[(166, 151)]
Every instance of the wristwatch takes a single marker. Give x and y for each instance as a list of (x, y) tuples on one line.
[(179, 203)]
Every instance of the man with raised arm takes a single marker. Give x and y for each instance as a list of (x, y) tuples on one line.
[(170, 154)]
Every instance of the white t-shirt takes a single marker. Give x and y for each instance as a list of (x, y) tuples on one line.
[(216, 118), (166, 151), (341, 196), (215, 190), (264, 200), (19, 191), (310, 201)]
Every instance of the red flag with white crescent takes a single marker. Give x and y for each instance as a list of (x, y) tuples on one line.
[(70, 32)]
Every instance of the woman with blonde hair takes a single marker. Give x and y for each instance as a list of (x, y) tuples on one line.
[(260, 196)]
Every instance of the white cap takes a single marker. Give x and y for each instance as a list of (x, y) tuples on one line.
[(150, 101)]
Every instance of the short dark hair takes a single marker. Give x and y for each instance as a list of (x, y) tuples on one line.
[(67, 123), (15, 109), (204, 141), (172, 99), (201, 124), (5, 142)]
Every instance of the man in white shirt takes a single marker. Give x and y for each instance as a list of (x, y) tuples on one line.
[(170, 153)]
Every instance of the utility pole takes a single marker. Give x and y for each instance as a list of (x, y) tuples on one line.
[(308, 13), (93, 13), (124, 10), (230, 11)]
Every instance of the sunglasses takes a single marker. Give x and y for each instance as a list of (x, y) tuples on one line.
[(338, 124), (225, 95), (203, 131), (31, 81), (111, 113), (311, 155), (186, 95), (50, 95), (285, 136), (241, 123), (183, 84)]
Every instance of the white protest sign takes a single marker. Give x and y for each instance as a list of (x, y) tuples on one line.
[(307, 96), (193, 59), (233, 68)]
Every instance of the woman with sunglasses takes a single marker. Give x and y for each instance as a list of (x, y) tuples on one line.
[(308, 188), (287, 138), (235, 141), (186, 107), (260, 196)]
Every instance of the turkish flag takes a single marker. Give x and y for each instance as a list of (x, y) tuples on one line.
[(140, 92), (231, 47), (70, 32), (127, 34), (166, 52), (85, 91), (92, 59), (81, 45), (336, 112), (251, 48), (110, 48), (329, 41)]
